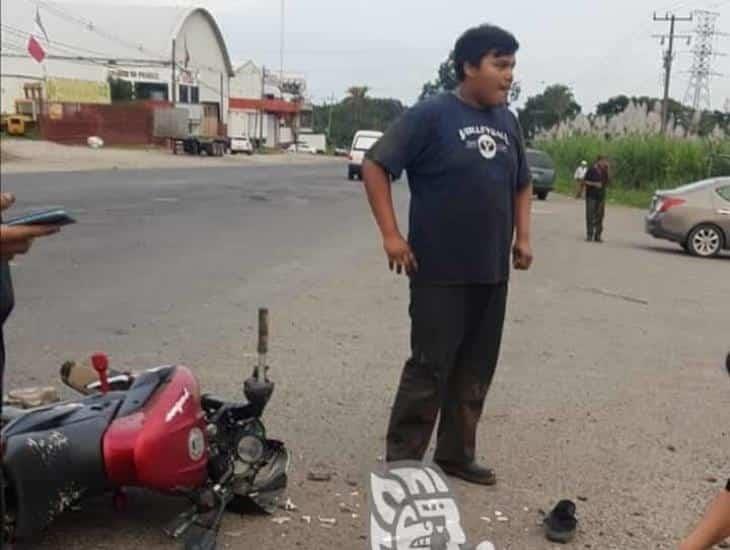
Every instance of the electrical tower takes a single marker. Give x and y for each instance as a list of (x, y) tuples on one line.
[(704, 50)]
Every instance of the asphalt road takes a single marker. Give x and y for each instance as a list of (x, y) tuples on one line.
[(610, 390)]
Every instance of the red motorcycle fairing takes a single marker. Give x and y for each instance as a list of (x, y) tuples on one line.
[(161, 444)]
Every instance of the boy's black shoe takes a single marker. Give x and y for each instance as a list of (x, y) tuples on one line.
[(473, 473), (561, 523)]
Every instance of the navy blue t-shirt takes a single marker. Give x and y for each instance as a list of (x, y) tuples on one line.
[(464, 168)]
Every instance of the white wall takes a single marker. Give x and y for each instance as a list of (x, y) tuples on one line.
[(247, 82), (243, 123), (206, 60)]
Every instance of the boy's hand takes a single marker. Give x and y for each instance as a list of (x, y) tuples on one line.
[(18, 238), (400, 255), (6, 200), (522, 255)]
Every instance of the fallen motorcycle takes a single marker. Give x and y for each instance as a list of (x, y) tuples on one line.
[(152, 430)]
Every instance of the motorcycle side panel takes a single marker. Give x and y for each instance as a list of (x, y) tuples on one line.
[(52, 464), (162, 446)]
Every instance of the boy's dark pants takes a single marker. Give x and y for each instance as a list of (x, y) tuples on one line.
[(456, 332)]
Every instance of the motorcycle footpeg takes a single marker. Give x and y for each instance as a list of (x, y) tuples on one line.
[(200, 538), (204, 534), (181, 524)]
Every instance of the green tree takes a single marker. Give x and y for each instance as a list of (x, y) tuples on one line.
[(446, 79), (357, 93), (614, 106), (356, 112), (549, 108)]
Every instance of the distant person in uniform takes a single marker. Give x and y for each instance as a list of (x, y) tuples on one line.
[(579, 177), (596, 181)]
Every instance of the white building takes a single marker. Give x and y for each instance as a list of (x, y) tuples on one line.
[(166, 53), (260, 109)]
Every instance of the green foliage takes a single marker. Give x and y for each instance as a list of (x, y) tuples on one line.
[(549, 108), (642, 164), (445, 81), (356, 112)]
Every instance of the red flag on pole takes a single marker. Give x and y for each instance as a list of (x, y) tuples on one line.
[(35, 49)]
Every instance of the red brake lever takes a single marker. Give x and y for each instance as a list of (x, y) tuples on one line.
[(100, 362)]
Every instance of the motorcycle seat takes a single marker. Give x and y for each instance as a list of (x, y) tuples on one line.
[(144, 386)]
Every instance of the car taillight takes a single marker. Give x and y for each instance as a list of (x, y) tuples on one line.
[(669, 202)]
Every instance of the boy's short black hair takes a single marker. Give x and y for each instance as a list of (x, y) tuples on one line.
[(479, 41)]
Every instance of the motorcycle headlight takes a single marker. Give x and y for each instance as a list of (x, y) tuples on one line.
[(250, 449)]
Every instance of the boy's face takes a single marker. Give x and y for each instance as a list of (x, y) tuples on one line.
[(492, 80)]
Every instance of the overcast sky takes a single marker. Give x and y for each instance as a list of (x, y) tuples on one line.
[(600, 48)]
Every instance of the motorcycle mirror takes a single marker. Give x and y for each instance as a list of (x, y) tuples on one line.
[(258, 388)]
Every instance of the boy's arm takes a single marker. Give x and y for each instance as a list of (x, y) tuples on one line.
[(377, 187), (713, 528), (522, 248)]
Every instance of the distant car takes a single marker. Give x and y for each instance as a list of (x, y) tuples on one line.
[(301, 147), (542, 169), (361, 144), (697, 216), (241, 144)]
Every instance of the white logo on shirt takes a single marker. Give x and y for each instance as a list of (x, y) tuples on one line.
[(487, 146)]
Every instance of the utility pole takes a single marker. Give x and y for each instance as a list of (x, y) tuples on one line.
[(173, 95), (331, 101), (281, 46), (261, 110), (668, 59)]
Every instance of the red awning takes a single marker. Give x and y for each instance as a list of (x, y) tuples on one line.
[(278, 106)]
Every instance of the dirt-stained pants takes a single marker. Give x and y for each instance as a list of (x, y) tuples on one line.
[(456, 332)]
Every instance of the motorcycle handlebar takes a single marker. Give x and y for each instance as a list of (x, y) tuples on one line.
[(263, 344)]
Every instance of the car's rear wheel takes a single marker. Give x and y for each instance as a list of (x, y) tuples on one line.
[(705, 240), (542, 195)]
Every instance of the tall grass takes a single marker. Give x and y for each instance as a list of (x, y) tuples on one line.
[(641, 164)]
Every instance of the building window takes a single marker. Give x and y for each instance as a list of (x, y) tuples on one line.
[(189, 94), (150, 90), (184, 94)]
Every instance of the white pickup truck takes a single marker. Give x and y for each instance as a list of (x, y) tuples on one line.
[(361, 143)]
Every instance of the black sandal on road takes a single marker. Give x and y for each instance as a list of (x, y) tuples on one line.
[(561, 523)]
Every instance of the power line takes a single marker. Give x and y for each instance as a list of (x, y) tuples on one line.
[(25, 35)]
